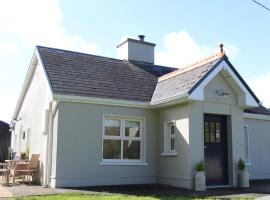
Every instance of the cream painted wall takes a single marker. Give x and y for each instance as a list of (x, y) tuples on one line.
[(79, 147), (179, 170), (174, 170), (32, 117), (220, 106), (219, 83), (77, 138), (259, 137)]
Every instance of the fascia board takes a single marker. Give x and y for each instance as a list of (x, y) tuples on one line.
[(28, 78), (198, 93), (256, 116), (102, 101)]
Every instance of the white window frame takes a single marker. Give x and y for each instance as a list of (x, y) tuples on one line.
[(167, 136), (247, 145), (123, 138)]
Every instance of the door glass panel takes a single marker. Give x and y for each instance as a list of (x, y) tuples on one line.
[(212, 132), (206, 131), (217, 132)]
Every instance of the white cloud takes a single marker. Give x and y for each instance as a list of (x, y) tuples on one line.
[(24, 24), (181, 49), (39, 22), (259, 86), (7, 48)]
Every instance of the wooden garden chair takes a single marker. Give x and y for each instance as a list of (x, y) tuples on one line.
[(26, 168), (4, 171)]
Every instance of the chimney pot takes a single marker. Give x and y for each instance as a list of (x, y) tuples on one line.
[(141, 37)]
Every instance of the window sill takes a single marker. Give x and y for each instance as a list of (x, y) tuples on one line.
[(123, 163), (168, 154)]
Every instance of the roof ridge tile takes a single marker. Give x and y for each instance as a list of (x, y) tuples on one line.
[(191, 66)]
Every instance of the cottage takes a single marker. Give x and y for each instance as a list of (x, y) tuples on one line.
[(102, 121)]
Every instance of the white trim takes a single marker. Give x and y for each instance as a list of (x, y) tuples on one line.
[(167, 151), (198, 93), (217, 186), (123, 163), (100, 101), (256, 116), (170, 101), (169, 154), (122, 137), (247, 145), (53, 109), (118, 102), (35, 61)]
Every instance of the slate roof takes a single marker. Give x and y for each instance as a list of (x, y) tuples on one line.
[(259, 110), (79, 74), (181, 84)]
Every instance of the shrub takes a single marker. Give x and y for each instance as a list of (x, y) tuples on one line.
[(200, 166), (27, 152), (241, 165)]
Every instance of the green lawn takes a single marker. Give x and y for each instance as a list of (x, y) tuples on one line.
[(103, 197)]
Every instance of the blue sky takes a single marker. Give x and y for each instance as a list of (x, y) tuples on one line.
[(184, 31)]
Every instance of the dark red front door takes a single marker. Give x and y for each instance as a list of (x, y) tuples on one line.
[(215, 149)]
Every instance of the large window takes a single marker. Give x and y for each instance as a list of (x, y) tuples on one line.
[(122, 139), (247, 151)]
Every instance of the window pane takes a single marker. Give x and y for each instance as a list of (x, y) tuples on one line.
[(247, 156), (132, 129), (111, 149), (217, 132), (172, 143), (112, 127), (132, 149), (206, 132), (212, 132), (172, 130)]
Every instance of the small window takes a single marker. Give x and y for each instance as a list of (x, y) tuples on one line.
[(247, 145), (169, 138)]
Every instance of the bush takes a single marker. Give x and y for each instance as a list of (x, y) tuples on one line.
[(27, 152), (200, 166), (241, 165)]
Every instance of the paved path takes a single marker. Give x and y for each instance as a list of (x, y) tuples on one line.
[(258, 190), (26, 190), (4, 193)]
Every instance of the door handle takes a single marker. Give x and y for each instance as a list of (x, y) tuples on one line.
[(205, 147)]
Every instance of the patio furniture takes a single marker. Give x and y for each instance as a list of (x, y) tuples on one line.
[(27, 169), (4, 171)]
